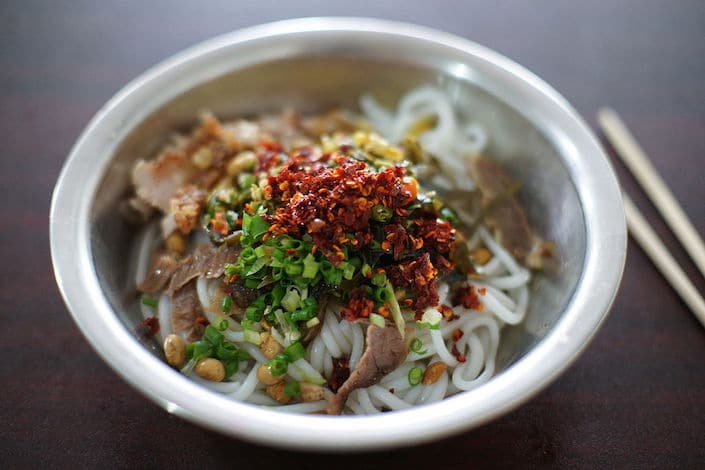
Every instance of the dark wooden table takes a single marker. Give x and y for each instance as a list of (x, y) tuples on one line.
[(635, 399)]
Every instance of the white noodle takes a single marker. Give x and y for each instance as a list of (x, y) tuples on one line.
[(503, 291)]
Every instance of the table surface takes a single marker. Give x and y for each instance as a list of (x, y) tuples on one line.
[(635, 398)]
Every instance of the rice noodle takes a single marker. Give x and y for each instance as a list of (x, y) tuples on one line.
[(503, 290)]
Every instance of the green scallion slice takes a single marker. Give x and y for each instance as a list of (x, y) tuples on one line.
[(150, 301), (415, 376)]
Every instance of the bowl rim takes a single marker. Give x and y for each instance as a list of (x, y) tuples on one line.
[(77, 279)]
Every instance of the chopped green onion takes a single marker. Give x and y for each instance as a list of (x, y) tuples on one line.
[(382, 294), (310, 267), (150, 301), (212, 335), (379, 279), (222, 325), (327, 269), (365, 270), (416, 346), (293, 244), (349, 272), (277, 273), (278, 365), (312, 322), (230, 269), (415, 376), (294, 269), (396, 310), (252, 283), (291, 300), (253, 337), (248, 255), (259, 264), (292, 389), (199, 349), (302, 315), (377, 320), (431, 318), (449, 215), (381, 213), (295, 351), (246, 180), (226, 304)]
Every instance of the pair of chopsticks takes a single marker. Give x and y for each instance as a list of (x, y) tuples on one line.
[(662, 197)]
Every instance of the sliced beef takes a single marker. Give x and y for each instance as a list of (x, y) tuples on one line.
[(185, 312), (206, 260), (503, 214), (385, 351), (159, 274)]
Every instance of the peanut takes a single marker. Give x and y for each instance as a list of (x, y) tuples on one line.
[(277, 392), (210, 369), (433, 372), (176, 243), (265, 376), (175, 350), (481, 256), (311, 392), (243, 161), (270, 347), (202, 158)]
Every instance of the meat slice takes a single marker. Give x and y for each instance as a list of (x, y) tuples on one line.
[(185, 312), (503, 214), (206, 260), (158, 180), (385, 351), (159, 274)]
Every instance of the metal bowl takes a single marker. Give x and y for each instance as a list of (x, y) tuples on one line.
[(569, 189)]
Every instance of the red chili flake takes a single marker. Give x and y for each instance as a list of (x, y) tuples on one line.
[(398, 241), (446, 311), (467, 296), (459, 357), (482, 290), (332, 201), (341, 372), (271, 145), (359, 306), (148, 327), (419, 277), (457, 334), (219, 223), (438, 237), (391, 390), (384, 310), (201, 320)]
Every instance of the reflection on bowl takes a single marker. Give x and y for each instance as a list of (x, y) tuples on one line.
[(570, 193)]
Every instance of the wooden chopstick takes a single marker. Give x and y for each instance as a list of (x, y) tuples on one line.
[(656, 250), (638, 163)]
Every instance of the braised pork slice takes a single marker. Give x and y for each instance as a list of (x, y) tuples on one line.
[(206, 260), (503, 214), (385, 351), (185, 311), (159, 274)]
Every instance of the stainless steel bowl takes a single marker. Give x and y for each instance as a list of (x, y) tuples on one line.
[(569, 189)]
